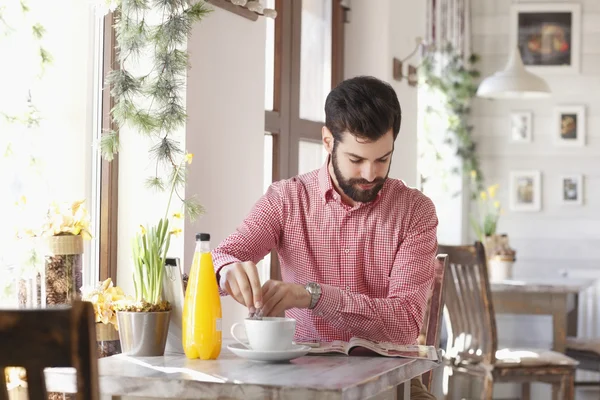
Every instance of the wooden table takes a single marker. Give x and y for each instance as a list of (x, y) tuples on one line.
[(555, 297), (310, 377)]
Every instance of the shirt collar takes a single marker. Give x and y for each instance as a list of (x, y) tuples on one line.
[(325, 184)]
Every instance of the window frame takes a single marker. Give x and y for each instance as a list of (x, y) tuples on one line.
[(109, 171), (284, 122)]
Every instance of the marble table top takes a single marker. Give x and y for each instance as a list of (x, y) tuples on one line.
[(542, 285), (309, 377)]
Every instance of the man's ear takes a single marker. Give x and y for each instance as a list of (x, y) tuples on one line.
[(327, 139)]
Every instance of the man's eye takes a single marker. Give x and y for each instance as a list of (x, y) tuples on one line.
[(383, 160), (355, 161)]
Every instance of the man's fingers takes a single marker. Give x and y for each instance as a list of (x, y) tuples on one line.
[(274, 299), (234, 291), (252, 274), (245, 288)]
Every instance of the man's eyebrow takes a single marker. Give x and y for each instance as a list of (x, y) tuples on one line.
[(362, 158)]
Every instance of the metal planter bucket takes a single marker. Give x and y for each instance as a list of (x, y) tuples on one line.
[(143, 334)]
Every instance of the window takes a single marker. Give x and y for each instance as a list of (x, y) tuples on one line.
[(52, 161), (304, 57)]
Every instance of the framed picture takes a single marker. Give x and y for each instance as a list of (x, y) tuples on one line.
[(571, 187), (569, 126), (525, 190), (547, 35), (520, 126)]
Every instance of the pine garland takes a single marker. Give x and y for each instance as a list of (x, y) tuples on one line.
[(30, 117), (153, 103)]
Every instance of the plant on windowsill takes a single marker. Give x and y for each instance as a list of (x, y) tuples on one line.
[(152, 103), (150, 248)]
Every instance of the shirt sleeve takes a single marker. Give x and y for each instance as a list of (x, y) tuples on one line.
[(398, 317), (257, 234)]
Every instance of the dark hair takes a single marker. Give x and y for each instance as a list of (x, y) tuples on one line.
[(364, 106)]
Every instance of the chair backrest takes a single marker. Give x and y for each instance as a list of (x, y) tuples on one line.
[(432, 325), (469, 312), (54, 337)]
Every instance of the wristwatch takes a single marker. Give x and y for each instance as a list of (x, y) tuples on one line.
[(314, 289)]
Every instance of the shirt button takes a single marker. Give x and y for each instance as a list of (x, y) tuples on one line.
[(348, 288), (347, 251)]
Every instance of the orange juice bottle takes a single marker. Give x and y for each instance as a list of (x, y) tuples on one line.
[(202, 306)]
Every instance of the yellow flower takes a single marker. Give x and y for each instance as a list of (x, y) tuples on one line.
[(176, 232), (483, 195), (497, 204), (473, 174), (177, 215), (492, 190), (189, 157), (142, 230)]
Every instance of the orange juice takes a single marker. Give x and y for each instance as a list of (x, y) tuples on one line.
[(202, 306)]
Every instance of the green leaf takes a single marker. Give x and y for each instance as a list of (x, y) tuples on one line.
[(109, 145), (38, 31), (193, 209), (45, 56), (124, 84), (156, 183)]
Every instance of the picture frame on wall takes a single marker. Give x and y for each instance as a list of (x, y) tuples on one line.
[(525, 189), (548, 36), (570, 126), (521, 126), (571, 189)]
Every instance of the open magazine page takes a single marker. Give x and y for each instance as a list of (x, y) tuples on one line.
[(396, 350), (337, 346)]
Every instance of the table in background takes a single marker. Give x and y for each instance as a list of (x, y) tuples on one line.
[(555, 297)]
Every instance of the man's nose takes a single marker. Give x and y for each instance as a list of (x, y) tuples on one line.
[(368, 172)]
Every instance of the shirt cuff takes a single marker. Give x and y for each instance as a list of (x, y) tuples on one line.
[(330, 301)]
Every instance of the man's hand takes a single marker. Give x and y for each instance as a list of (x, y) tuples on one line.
[(243, 284), (280, 296)]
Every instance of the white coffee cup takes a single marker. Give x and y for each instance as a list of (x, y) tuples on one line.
[(267, 334)]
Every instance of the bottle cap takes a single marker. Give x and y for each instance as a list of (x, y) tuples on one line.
[(203, 237)]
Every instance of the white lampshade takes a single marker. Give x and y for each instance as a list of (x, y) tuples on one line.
[(513, 82)]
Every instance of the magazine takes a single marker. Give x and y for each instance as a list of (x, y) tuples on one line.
[(381, 348)]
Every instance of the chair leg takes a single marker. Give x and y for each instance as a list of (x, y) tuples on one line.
[(526, 391), (567, 386), (488, 388)]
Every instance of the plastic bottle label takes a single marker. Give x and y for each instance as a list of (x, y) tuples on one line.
[(219, 325)]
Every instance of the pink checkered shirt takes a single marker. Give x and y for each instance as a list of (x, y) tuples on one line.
[(374, 261)]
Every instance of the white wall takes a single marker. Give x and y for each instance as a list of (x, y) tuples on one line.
[(379, 31), (225, 130), (558, 237)]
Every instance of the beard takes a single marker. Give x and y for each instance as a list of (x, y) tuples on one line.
[(350, 186)]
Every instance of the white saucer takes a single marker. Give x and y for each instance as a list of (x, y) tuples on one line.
[(273, 356)]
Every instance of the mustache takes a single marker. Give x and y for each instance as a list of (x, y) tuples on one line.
[(361, 181)]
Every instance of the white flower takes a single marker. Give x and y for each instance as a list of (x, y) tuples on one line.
[(255, 6), (270, 13)]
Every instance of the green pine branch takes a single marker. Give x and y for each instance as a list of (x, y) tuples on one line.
[(109, 145)]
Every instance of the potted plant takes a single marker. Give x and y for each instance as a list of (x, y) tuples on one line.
[(144, 322), (103, 298)]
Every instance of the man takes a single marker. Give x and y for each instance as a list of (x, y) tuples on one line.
[(356, 248)]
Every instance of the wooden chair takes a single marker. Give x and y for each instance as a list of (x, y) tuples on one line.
[(587, 352), (432, 326), (473, 341), (54, 337)]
